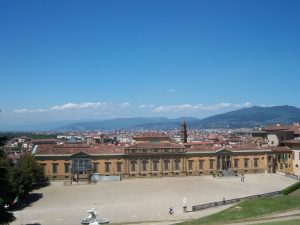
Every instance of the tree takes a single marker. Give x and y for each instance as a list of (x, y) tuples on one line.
[(5, 188), (16, 180), (25, 174)]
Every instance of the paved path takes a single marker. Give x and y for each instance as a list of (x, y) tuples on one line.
[(143, 200)]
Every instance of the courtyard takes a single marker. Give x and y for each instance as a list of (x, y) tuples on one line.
[(142, 200)]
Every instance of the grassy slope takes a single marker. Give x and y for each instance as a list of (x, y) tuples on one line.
[(286, 222), (250, 209)]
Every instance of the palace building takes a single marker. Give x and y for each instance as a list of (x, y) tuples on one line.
[(157, 155)]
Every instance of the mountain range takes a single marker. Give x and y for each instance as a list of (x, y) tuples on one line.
[(246, 117)]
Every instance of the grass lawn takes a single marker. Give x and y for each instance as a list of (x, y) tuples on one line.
[(286, 222), (250, 209)]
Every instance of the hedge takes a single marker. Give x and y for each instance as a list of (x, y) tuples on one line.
[(291, 188)]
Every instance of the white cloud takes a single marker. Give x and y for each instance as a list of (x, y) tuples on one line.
[(142, 106), (176, 108), (125, 105), (247, 104), (29, 110), (198, 107), (68, 106), (85, 105)]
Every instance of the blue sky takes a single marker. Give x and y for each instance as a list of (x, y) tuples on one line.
[(63, 60)]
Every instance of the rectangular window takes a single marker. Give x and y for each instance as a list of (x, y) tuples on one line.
[(255, 162), (201, 164), (211, 164), (236, 163), (155, 165), (281, 166), (246, 163), (144, 163), (107, 167), (133, 166), (190, 164), (166, 165), (54, 167), (177, 162), (67, 167), (95, 167), (119, 167)]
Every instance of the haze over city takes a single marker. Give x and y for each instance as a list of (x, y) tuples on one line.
[(74, 61)]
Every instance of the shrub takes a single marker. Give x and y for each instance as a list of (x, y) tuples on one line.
[(291, 189)]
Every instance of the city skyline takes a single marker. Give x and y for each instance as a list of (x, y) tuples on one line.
[(76, 61)]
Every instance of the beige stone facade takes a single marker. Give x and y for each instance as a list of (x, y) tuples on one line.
[(158, 156)]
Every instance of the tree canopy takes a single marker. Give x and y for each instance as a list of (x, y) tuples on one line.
[(16, 180)]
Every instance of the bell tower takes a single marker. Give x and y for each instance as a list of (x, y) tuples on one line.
[(183, 132)]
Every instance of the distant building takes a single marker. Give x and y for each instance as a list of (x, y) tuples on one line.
[(277, 134)]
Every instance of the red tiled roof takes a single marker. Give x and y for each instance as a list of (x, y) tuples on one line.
[(295, 141), (212, 137), (280, 149), (296, 129), (155, 145), (43, 141), (71, 149), (203, 149), (275, 128), (235, 148), (151, 135)]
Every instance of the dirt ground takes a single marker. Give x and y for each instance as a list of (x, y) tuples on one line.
[(142, 200)]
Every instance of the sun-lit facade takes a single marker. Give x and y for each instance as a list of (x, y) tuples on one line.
[(156, 155)]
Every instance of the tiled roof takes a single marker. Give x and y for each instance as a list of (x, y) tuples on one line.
[(295, 141), (70, 149), (155, 145), (238, 148), (280, 149), (151, 135), (203, 149), (43, 141), (275, 128)]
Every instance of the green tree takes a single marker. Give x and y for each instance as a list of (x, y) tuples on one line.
[(25, 174), (5, 188)]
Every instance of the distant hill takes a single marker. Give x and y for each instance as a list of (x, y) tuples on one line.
[(250, 117), (246, 117), (128, 123)]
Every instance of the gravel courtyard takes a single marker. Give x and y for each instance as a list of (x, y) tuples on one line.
[(142, 200)]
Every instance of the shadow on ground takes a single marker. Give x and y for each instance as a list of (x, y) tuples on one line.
[(29, 200)]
